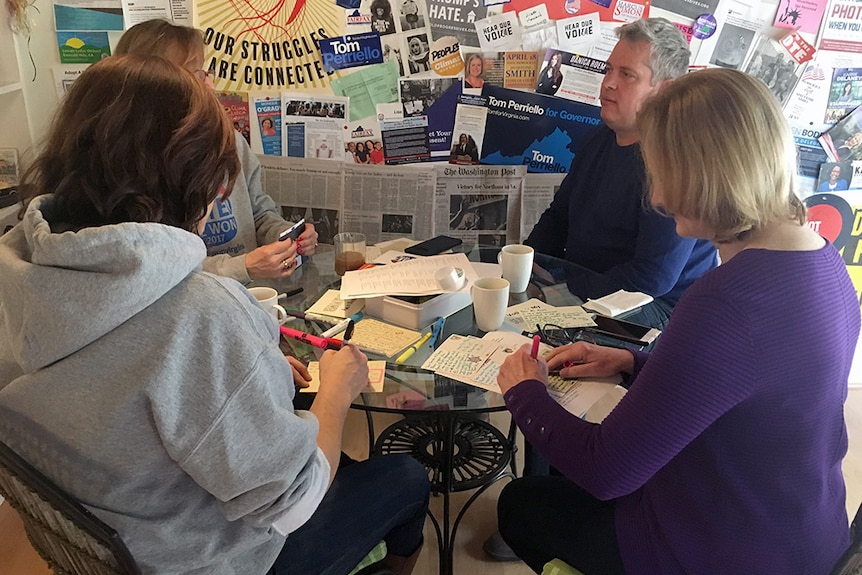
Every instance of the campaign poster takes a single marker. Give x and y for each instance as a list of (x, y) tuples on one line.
[(538, 131), (845, 93), (260, 46), (268, 112), (235, 105), (457, 19)]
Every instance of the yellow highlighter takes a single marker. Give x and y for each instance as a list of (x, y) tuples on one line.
[(412, 349)]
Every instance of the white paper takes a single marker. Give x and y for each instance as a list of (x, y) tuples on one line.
[(499, 33), (535, 17), (618, 302), (577, 35), (137, 11), (413, 277)]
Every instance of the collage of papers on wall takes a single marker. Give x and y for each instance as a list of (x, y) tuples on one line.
[(372, 114)]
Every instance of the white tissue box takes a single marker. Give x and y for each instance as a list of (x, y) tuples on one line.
[(416, 316)]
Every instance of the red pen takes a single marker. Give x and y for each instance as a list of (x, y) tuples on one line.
[(316, 341), (534, 353)]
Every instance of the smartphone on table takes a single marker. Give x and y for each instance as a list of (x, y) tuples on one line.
[(624, 330), (433, 246), (293, 232)]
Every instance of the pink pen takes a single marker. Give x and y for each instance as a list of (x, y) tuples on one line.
[(534, 353), (316, 341)]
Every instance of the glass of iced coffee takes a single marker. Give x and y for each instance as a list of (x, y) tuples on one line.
[(349, 252)]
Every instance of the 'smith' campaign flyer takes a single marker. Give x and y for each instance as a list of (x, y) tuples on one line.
[(537, 131)]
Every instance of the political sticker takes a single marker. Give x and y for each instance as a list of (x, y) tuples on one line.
[(704, 26), (351, 51), (446, 56)]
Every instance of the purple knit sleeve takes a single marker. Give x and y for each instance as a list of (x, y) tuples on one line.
[(689, 382)]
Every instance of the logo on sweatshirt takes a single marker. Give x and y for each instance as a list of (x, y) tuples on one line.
[(221, 226)]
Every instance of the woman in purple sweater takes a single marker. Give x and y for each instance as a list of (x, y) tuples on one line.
[(725, 454)]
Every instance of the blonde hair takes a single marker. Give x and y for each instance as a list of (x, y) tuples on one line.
[(161, 38), (717, 146)]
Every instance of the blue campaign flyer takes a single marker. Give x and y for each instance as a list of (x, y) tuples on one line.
[(441, 120), (537, 131), (268, 112)]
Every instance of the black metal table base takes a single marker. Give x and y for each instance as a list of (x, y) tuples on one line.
[(460, 452)]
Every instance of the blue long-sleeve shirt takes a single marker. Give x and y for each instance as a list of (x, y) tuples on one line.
[(725, 454), (600, 223)]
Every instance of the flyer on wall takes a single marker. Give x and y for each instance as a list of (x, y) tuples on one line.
[(537, 131)]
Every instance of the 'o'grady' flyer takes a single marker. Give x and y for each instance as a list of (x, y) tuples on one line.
[(268, 111), (534, 130)]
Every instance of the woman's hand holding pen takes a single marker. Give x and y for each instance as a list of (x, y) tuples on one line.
[(582, 359), (521, 366), (343, 374)]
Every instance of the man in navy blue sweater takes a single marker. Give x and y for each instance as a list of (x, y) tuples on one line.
[(613, 240)]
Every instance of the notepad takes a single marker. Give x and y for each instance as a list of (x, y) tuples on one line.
[(376, 375), (618, 302), (382, 338)]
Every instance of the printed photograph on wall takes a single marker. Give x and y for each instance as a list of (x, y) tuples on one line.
[(487, 212)]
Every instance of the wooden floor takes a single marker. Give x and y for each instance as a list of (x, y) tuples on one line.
[(18, 558)]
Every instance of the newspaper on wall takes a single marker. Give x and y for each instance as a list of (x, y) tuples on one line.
[(306, 188), (539, 190), (478, 204), (386, 203)]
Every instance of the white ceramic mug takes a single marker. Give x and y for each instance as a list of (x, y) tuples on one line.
[(517, 263), (490, 299), (268, 300)]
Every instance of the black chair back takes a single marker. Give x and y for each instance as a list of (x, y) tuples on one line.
[(70, 539)]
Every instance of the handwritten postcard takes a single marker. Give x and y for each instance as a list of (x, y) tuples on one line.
[(376, 375)]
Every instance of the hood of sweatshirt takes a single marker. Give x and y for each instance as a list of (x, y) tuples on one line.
[(60, 291)]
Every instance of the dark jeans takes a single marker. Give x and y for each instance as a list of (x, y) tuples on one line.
[(654, 314), (383, 498), (545, 518)]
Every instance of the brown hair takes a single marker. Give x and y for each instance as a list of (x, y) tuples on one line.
[(718, 147), (137, 139), (179, 44)]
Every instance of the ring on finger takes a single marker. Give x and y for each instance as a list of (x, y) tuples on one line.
[(286, 264)]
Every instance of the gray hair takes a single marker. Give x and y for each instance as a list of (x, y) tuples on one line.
[(669, 52)]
